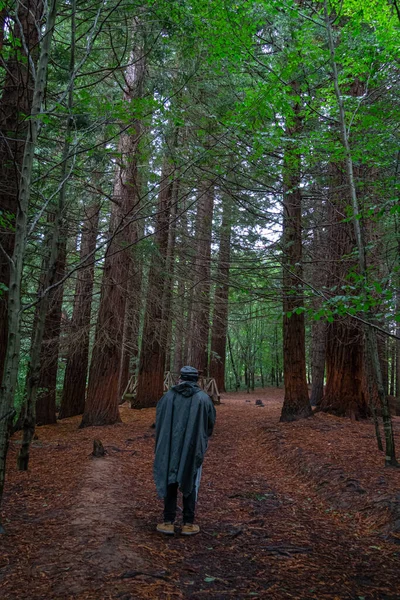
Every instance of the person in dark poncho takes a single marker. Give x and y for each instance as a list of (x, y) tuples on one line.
[(185, 420)]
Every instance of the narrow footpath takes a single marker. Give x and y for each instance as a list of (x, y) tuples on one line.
[(302, 510)]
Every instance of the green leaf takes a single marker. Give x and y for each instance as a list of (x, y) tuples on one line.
[(209, 579)]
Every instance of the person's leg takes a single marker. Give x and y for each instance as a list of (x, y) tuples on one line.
[(189, 506), (170, 503)]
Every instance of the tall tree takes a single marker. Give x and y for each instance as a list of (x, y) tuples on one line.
[(101, 406), (47, 379), (220, 313), (15, 105), (370, 332), (12, 357), (200, 309), (344, 393), (153, 351), (74, 388), (296, 403)]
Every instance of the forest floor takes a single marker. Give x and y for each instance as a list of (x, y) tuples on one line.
[(301, 510)]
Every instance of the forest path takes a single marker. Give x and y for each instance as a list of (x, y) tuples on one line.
[(286, 511)]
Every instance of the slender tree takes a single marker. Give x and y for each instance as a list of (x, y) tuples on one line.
[(200, 310), (220, 313), (153, 351), (296, 403), (74, 388)]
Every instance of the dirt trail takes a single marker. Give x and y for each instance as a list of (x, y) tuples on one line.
[(83, 528)]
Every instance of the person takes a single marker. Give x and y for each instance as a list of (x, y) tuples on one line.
[(185, 420)]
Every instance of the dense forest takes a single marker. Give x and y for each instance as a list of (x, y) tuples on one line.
[(204, 183)]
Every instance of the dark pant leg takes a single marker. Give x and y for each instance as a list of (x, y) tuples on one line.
[(189, 506), (170, 503)]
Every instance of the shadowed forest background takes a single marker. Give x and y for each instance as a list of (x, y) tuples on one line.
[(204, 183)]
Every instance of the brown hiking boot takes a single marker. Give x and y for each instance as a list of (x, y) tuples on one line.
[(166, 528), (190, 529)]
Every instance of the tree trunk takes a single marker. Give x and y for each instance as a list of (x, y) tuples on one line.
[(370, 333), (383, 359), (392, 368), (318, 350), (344, 395), (169, 278), (10, 376), (234, 369), (74, 388), (152, 356), (183, 294), (179, 337), (15, 104), (296, 402), (220, 316), (102, 402), (398, 343), (200, 313), (40, 322), (47, 382), (130, 339), (344, 392)]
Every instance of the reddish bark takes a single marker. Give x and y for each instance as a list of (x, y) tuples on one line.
[(46, 395), (179, 338), (344, 391), (183, 296), (73, 398), (169, 279), (130, 349), (200, 310), (220, 315), (153, 351), (15, 103), (102, 402), (296, 403), (318, 351)]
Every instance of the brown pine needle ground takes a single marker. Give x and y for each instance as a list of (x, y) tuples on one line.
[(303, 510)]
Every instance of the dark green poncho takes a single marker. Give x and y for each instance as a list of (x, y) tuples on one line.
[(184, 421)]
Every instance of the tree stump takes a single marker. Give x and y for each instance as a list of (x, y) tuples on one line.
[(98, 449)]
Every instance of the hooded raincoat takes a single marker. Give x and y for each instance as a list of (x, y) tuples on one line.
[(185, 419)]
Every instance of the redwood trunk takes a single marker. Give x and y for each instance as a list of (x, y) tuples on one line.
[(344, 392), (398, 343), (318, 351), (296, 402), (179, 338), (220, 316), (344, 395), (200, 310), (130, 343), (15, 104), (73, 398), (169, 278), (47, 383), (102, 402), (152, 356)]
